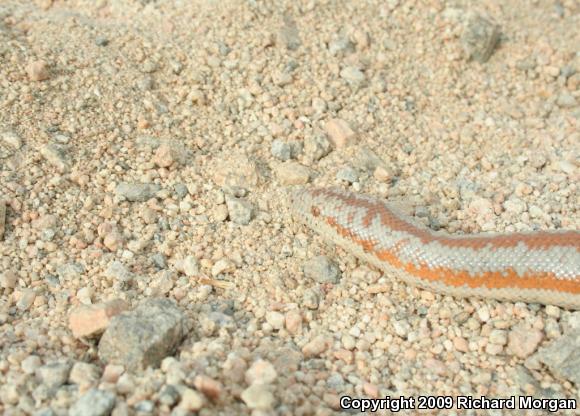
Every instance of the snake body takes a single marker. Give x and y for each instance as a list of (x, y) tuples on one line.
[(536, 267)]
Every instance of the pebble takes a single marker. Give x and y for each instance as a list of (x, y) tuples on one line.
[(84, 374), (562, 356), (190, 266), (566, 100), (289, 34), (292, 173), (340, 45), (27, 297), (191, 400), (293, 322), (143, 336), (340, 133), (315, 347), (347, 174), (92, 320), (238, 171), (211, 388), (8, 279), (38, 71), (136, 192), (261, 372), (480, 37), (56, 156), (353, 76), (322, 270), (30, 364), (223, 266), (284, 150), (498, 337), (54, 374), (258, 397), (276, 319), (94, 403), (240, 210), (316, 147), (11, 139)]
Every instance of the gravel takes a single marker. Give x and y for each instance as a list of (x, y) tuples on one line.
[(149, 263)]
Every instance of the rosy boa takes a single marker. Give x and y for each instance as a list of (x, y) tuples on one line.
[(536, 267)]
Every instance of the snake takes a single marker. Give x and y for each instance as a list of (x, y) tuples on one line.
[(532, 267)]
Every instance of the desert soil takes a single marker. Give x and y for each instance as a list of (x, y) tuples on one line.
[(149, 262)]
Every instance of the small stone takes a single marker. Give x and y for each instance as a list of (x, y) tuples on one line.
[(144, 336), (523, 341), (137, 192), (117, 271), (190, 266), (240, 210), (348, 342), (383, 174), (261, 372), (92, 320), (84, 295), (315, 347), (402, 327), (55, 155), (26, 299), (292, 173), (94, 403), (208, 386), (112, 373), (322, 270), (84, 374), (169, 395), (238, 171), (316, 147), (562, 356), (293, 321), (566, 100), (8, 279), (113, 240), (101, 41), (341, 45), (164, 156), (498, 337), (289, 35), (30, 364), (514, 206), (353, 75), (55, 374), (310, 299), (340, 133), (223, 266), (258, 397), (461, 344), (38, 71), (553, 311), (276, 319), (483, 314), (11, 139), (347, 174), (480, 37), (281, 150), (191, 400)]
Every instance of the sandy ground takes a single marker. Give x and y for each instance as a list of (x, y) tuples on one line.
[(148, 150)]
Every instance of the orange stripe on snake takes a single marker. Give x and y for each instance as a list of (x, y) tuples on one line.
[(542, 267)]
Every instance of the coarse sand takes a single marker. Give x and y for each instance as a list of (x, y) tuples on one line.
[(149, 263)]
